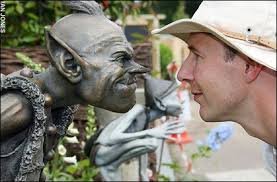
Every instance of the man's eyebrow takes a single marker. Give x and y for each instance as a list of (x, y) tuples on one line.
[(193, 49), (196, 51)]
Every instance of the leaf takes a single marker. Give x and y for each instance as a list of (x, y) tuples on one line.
[(9, 10), (32, 16), (19, 8), (71, 169), (29, 39), (83, 163), (24, 25), (173, 166), (30, 4), (163, 177), (10, 2)]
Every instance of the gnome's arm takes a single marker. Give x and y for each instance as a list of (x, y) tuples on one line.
[(16, 113)]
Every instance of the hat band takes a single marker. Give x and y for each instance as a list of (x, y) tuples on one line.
[(250, 38)]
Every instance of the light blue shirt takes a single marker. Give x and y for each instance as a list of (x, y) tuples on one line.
[(269, 155)]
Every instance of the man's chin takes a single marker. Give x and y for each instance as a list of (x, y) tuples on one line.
[(209, 117)]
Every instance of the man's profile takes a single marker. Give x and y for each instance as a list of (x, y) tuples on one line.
[(231, 67)]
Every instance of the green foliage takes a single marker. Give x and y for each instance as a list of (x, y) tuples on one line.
[(176, 168), (91, 125), (162, 177), (83, 171), (139, 38), (120, 9), (57, 170), (155, 73), (54, 169), (173, 166), (26, 20), (27, 61), (202, 151), (172, 9), (166, 56)]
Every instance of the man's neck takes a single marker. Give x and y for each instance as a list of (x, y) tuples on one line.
[(259, 117)]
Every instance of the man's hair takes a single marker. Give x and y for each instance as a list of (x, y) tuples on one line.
[(89, 7), (229, 54)]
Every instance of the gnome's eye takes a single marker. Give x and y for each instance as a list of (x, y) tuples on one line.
[(120, 59), (123, 58)]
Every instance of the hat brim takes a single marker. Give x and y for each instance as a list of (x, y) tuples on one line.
[(184, 27)]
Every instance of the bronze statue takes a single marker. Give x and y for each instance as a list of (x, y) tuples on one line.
[(91, 63), (127, 137)]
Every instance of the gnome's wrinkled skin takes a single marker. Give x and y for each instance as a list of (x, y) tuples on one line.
[(127, 137), (91, 63)]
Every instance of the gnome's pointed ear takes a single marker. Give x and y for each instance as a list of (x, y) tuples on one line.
[(51, 44), (62, 59)]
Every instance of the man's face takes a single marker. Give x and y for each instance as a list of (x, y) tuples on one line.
[(108, 78), (218, 86)]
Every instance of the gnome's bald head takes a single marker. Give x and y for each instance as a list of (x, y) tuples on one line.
[(87, 24)]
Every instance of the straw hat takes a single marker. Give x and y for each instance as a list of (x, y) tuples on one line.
[(248, 27)]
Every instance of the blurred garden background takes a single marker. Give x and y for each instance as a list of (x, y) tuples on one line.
[(23, 45)]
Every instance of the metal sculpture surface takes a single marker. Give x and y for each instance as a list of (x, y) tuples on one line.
[(127, 137), (91, 63)]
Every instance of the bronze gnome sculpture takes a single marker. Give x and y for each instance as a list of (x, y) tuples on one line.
[(91, 63)]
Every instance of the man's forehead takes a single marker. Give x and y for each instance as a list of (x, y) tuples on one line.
[(201, 40), (195, 38)]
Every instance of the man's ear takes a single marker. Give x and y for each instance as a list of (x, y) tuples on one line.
[(62, 59), (252, 70)]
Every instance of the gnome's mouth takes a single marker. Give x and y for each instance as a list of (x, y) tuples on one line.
[(125, 86)]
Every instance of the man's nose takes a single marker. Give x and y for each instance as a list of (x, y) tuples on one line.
[(186, 71), (135, 68)]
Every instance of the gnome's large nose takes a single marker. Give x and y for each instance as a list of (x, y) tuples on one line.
[(136, 68)]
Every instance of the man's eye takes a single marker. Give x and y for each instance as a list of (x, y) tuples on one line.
[(197, 57)]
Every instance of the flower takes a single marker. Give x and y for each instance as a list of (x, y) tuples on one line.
[(218, 135), (71, 139), (70, 160), (61, 150), (72, 130)]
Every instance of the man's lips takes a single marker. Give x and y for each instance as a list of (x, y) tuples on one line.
[(196, 95)]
